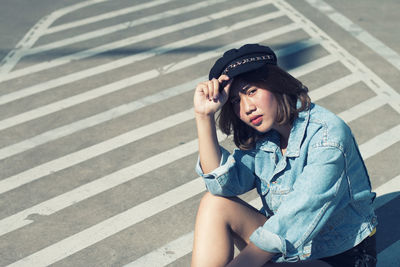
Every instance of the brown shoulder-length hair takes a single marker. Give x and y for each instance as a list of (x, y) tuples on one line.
[(287, 91)]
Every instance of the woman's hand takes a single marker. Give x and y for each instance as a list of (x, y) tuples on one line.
[(208, 98)]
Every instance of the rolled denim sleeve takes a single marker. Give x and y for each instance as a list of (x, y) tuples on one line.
[(234, 176), (311, 201)]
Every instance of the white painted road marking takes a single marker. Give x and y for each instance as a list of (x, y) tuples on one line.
[(115, 28), (93, 234), (112, 87), (101, 32), (30, 175), (12, 58), (72, 159), (104, 16), (167, 253), (62, 104), (183, 245), (353, 64), (18, 220), (113, 225), (359, 33), (114, 45)]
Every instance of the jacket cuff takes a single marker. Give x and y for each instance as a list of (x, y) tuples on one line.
[(219, 170), (268, 241)]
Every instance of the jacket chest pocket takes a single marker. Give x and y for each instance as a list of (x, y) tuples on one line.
[(278, 191)]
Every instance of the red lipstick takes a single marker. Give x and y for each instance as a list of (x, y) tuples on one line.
[(256, 120)]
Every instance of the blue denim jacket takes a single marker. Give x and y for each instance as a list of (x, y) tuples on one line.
[(317, 196)]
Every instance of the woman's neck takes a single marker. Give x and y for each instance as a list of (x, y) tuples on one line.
[(284, 132)]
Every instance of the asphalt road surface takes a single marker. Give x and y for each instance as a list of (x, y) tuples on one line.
[(97, 137)]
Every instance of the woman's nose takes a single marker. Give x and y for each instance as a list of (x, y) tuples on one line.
[(248, 105)]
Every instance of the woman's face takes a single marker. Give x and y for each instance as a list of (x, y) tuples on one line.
[(255, 106)]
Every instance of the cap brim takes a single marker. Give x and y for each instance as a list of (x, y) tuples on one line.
[(245, 68)]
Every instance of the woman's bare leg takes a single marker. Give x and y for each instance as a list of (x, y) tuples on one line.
[(219, 221)]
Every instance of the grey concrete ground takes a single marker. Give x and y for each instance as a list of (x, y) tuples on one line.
[(18, 17), (98, 142)]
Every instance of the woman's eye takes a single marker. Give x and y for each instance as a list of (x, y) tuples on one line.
[(251, 91)]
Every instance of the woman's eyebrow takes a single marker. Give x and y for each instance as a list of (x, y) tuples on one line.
[(246, 87)]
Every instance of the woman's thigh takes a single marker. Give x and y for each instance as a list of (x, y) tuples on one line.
[(242, 218), (220, 223)]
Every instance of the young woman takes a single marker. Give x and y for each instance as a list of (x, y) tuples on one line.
[(302, 159)]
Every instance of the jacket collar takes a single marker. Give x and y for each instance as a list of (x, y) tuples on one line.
[(297, 133), (271, 142)]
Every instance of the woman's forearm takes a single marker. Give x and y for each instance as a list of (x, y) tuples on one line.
[(209, 150), (207, 100)]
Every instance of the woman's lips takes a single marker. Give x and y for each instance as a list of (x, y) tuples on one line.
[(256, 120)]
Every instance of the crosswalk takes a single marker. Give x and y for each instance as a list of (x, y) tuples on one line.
[(98, 142)]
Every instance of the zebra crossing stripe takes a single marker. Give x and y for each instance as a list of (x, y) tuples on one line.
[(105, 16), (101, 32), (124, 42), (97, 92), (314, 65), (334, 87), (167, 253), (119, 222), (55, 165), (390, 189), (48, 85), (122, 26), (72, 159), (363, 36), (97, 186), (353, 64), (111, 226), (12, 58), (363, 108), (109, 88), (95, 150), (174, 249), (97, 119), (383, 140), (217, 52), (183, 245), (55, 204), (124, 109), (368, 147)]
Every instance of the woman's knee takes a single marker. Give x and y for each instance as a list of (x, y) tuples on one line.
[(211, 204), (210, 198)]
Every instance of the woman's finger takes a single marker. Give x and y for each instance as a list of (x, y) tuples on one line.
[(223, 78), (210, 90), (225, 81), (203, 88), (216, 87)]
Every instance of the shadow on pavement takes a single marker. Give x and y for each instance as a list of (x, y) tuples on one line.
[(388, 230)]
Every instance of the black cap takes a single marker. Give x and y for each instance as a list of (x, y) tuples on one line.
[(247, 58)]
